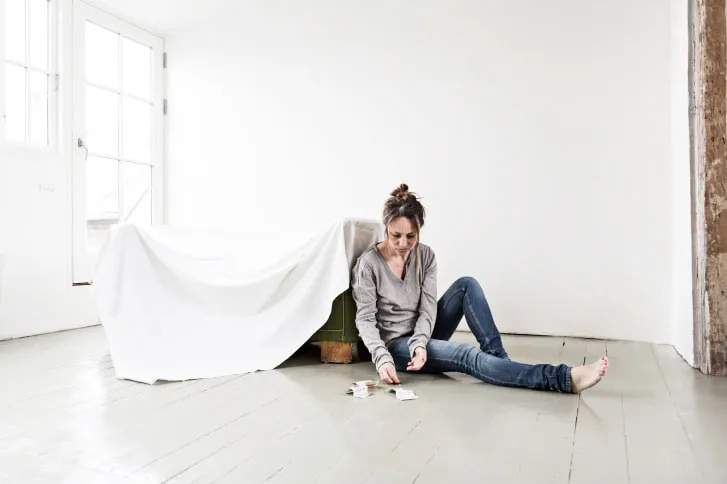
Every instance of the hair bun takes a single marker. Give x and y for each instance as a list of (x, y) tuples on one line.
[(402, 191), (403, 203)]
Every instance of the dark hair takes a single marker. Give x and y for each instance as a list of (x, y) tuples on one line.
[(403, 203)]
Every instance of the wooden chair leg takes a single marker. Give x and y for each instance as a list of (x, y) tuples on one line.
[(336, 352)]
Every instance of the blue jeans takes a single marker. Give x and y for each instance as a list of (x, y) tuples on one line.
[(490, 362)]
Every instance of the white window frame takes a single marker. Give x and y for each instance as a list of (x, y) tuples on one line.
[(83, 261), (54, 82)]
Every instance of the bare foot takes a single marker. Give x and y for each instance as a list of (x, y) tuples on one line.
[(584, 377)]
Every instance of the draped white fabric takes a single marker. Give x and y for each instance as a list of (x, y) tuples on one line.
[(181, 304)]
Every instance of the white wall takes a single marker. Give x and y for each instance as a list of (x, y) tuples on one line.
[(683, 321), (537, 133), (3, 159)]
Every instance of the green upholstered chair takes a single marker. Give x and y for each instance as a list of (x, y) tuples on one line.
[(339, 335)]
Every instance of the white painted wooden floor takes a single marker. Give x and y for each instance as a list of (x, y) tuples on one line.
[(65, 418)]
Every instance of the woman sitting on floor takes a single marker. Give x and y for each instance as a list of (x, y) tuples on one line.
[(405, 328)]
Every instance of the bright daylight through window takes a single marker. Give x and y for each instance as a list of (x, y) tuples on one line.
[(28, 71)]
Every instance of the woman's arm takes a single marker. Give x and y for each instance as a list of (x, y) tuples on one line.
[(364, 294), (427, 304)]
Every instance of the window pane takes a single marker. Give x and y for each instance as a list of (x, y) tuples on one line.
[(102, 199), (137, 130), (102, 122), (15, 30), (15, 102), (39, 33), (136, 68), (102, 56), (38, 108), (137, 194)]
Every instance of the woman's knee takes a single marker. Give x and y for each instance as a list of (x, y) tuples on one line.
[(469, 283)]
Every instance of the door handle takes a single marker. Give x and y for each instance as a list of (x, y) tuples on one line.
[(81, 144)]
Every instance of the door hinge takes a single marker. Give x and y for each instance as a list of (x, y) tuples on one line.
[(164, 106), (164, 60)]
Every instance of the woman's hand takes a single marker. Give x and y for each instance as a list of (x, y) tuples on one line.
[(420, 357), (387, 372)]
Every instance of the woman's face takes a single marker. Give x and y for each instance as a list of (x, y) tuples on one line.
[(402, 236)]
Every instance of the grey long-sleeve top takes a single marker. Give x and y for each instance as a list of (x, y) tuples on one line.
[(388, 307)]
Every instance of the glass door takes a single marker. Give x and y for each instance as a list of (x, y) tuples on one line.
[(118, 169)]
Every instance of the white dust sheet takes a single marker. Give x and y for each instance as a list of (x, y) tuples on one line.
[(182, 304)]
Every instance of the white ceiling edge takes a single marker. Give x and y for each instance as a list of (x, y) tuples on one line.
[(161, 17)]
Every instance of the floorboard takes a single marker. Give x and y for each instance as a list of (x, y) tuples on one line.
[(65, 417)]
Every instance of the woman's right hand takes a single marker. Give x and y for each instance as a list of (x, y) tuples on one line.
[(387, 372)]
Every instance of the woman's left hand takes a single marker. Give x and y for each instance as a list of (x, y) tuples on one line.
[(420, 357)]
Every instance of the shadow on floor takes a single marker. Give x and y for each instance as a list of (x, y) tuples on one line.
[(310, 355)]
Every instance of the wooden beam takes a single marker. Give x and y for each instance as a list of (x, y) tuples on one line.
[(708, 138)]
